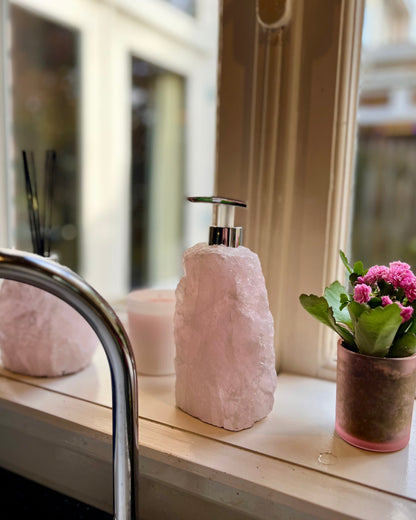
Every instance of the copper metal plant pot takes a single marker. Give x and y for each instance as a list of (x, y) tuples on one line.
[(375, 398)]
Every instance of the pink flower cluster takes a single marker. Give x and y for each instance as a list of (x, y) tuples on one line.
[(374, 274), (399, 275)]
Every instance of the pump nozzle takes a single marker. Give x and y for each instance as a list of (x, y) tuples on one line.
[(223, 230)]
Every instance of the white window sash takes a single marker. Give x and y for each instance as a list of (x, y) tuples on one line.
[(287, 110)]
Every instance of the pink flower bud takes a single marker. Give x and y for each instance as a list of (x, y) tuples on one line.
[(362, 293), (386, 300), (406, 312)]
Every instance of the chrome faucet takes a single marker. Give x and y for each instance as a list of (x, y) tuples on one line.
[(71, 288)]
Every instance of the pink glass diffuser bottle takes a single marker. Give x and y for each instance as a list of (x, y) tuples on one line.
[(41, 335)]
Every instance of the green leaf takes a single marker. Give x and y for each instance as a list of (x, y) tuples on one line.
[(355, 310), (345, 300), (403, 346), (400, 294), (353, 278), (403, 329), (334, 295), (375, 302), (412, 326), (344, 260), (375, 329), (386, 289), (318, 307), (359, 268), (346, 335)]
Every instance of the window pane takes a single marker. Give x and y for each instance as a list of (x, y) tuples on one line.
[(157, 177), (44, 60), (188, 6), (96, 231), (384, 219)]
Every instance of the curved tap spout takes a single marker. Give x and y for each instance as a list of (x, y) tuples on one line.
[(71, 288)]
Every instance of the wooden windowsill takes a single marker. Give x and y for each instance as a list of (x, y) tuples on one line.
[(58, 432)]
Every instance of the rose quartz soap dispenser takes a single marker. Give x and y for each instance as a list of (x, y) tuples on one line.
[(225, 361)]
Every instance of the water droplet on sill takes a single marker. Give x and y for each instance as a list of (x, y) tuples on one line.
[(327, 458)]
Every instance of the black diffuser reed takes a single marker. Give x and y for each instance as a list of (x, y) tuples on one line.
[(40, 225)]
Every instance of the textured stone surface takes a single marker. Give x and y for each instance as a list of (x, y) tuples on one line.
[(225, 362), (40, 335)]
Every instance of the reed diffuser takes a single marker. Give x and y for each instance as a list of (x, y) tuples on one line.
[(41, 335), (40, 224)]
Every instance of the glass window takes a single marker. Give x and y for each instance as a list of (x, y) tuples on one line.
[(45, 113), (120, 94), (157, 175), (188, 6), (383, 223)]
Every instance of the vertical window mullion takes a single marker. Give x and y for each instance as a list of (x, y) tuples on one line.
[(298, 149)]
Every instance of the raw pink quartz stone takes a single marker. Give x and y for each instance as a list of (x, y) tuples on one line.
[(225, 361), (40, 335)]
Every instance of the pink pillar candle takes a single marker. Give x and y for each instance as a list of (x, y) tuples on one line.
[(150, 328)]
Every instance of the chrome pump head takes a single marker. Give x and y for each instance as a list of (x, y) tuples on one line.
[(222, 231)]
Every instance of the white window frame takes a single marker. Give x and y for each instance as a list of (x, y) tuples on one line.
[(157, 32), (287, 111)]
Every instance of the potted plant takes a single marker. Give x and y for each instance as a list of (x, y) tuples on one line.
[(376, 364)]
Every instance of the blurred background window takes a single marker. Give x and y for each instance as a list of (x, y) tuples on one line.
[(125, 92), (384, 216)]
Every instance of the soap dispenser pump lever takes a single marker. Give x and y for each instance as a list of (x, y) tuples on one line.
[(222, 230)]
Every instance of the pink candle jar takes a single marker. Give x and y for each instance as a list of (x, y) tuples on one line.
[(150, 328)]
